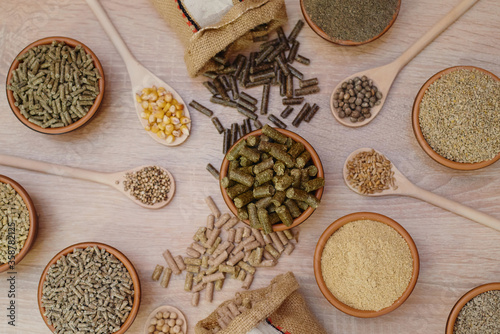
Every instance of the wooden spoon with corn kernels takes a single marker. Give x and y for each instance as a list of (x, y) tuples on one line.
[(115, 180), (402, 186), (141, 78)]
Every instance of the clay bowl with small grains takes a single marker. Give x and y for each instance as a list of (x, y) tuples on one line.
[(334, 227), (314, 159), (417, 130), (119, 256), (334, 40), (76, 124), (33, 229), (450, 324)]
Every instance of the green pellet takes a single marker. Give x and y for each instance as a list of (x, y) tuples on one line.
[(264, 220), (293, 208), (245, 162), (278, 198), (264, 165), (193, 269), (192, 261), (313, 184), (288, 234), (285, 215), (225, 103), (303, 159), (301, 195), (226, 183), (234, 153), (157, 272), (242, 178), (263, 191), (283, 182), (296, 149), (252, 141), (263, 177), (249, 153), (282, 156), (219, 284), (188, 283), (304, 176), (297, 177), (279, 168), (236, 190), (273, 251), (263, 203), (312, 170), (245, 266), (243, 199), (243, 213), (166, 278), (274, 134)]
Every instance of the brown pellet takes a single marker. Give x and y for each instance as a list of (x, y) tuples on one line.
[(293, 101), (307, 90), (195, 298), (303, 60), (265, 99), (180, 262), (276, 121), (247, 282), (157, 272), (311, 113), (218, 125), (166, 278), (222, 220), (285, 113), (171, 262), (211, 204), (210, 222)]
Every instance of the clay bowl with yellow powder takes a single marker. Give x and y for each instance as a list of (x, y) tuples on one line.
[(366, 264)]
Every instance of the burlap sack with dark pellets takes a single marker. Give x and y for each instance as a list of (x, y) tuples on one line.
[(279, 306), (207, 27)]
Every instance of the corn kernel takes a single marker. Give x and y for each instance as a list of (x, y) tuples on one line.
[(176, 133), (154, 128), (177, 126), (175, 120), (170, 139), (146, 91), (144, 104), (185, 120), (167, 106), (168, 97), (138, 98), (144, 115), (172, 109), (161, 90), (178, 114), (179, 106), (184, 129), (161, 103), (169, 128), (151, 119), (147, 128), (166, 119), (159, 114), (161, 126)]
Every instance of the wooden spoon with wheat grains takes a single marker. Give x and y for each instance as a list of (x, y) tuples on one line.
[(402, 186)]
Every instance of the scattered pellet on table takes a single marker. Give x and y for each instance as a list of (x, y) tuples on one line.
[(195, 298), (157, 272), (166, 278), (247, 282), (286, 112), (200, 108), (311, 113), (211, 204), (222, 220), (171, 262), (277, 121), (212, 170), (180, 262)]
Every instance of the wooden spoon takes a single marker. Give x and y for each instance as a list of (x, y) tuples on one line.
[(114, 180), (406, 188), (384, 76), (167, 308), (140, 76)]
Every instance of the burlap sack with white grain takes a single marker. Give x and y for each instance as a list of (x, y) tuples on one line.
[(279, 308), (207, 27)]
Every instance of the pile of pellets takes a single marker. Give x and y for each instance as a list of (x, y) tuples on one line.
[(55, 85), (271, 66), (215, 255), (87, 291), (149, 185), (14, 223), (228, 311)]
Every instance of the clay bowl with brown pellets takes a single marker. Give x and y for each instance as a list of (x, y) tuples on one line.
[(315, 160), (33, 231), (420, 136), (450, 324), (325, 36), (82, 121), (163, 309), (111, 250), (319, 252)]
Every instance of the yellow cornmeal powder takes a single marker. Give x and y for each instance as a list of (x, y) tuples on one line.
[(367, 265)]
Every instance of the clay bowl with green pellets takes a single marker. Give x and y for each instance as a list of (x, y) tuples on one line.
[(272, 179), (456, 117), (19, 222), (350, 23), (89, 287), (55, 85), (477, 311), (366, 264)]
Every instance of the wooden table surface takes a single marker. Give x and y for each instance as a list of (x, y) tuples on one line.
[(456, 254)]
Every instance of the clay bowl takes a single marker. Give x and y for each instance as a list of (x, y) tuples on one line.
[(464, 300), (166, 308), (319, 251), (325, 36), (130, 267), (315, 160), (33, 231), (420, 136), (93, 110)]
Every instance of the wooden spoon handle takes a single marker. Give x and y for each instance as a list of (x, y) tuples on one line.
[(48, 168), (434, 32), (454, 207), (113, 34)]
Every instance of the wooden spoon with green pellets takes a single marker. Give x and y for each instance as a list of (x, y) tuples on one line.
[(114, 180), (384, 76), (140, 77), (403, 187)]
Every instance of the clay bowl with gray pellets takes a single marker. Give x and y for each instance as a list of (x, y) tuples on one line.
[(334, 40), (452, 318), (120, 257), (33, 229), (314, 159), (420, 136), (75, 124), (334, 227)]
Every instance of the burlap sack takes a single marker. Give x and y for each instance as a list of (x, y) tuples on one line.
[(280, 303), (233, 31)]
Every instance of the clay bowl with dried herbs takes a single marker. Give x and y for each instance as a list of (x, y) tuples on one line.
[(33, 223), (334, 227), (347, 42), (76, 124), (419, 135), (120, 257), (315, 160), (455, 311)]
